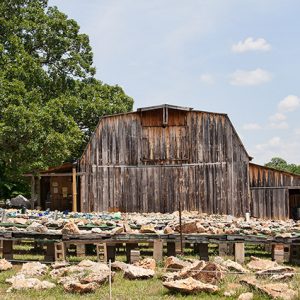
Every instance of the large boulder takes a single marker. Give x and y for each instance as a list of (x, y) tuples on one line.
[(191, 227), (119, 266), (280, 270), (258, 264), (33, 269), (21, 282), (231, 265), (147, 263), (149, 228), (98, 278), (5, 265), (80, 288), (210, 273), (272, 290), (134, 272), (190, 270), (19, 201), (190, 286), (173, 263), (37, 227), (70, 228)]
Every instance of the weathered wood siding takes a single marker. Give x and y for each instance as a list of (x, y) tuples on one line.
[(133, 163), (270, 192)]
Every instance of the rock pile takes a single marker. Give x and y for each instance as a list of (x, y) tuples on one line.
[(146, 223)]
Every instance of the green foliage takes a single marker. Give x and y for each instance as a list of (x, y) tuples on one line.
[(50, 102), (280, 164)]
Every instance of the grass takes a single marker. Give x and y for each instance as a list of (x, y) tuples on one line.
[(123, 289)]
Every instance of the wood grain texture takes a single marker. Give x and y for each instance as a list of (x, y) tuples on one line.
[(147, 162), (270, 192)]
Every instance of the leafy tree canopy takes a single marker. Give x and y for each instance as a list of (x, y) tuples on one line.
[(280, 164), (50, 101)]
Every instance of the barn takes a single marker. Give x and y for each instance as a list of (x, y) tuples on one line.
[(274, 194), (160, 157)]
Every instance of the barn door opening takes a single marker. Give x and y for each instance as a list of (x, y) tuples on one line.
[(294, 204)]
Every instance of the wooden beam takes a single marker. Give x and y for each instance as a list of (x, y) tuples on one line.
[(56, 174), (74, 189), (32, 191)]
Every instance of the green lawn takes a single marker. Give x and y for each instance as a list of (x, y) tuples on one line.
[(124, 288)]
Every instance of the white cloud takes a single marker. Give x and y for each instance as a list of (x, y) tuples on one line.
[(250, 44), (250, 78), (297, 131), (251, 126), (272, 143), (280, 125), (289, 103), (207, 79), (277, 147), (277, 117)]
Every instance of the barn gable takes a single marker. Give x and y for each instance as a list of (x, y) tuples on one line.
[(146, 160)]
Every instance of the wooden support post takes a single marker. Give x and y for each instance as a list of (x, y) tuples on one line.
[(171, 249), (109, 252), (74, 189), (278, 253), (50, 253), (32, 191), (239, 253), (158, 250), (226, 249), (223, 249), (129, 247), (178, 247), (293, 255), (7, 249), (1, 248), (38, 192), (80, 250), (60, 251), (202, 250)]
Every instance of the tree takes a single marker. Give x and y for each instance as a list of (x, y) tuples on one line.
[(280, 164), (50, 101)]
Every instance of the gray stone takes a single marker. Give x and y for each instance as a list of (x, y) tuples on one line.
[(5, 265), (190, 286), (21, 282), (246, 296), (173, 263), (134, 272)]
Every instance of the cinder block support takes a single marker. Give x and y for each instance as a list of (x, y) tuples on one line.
[(109, 252), (158, 250), (202, 250), (60, 251), (171, 249), (80, 250), (7, 249), (134, 256), (100, 252), (129, 247), (239, 253), (50, 252), (278, 253)]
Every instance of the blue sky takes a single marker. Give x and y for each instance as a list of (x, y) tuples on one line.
[(232, 56)]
